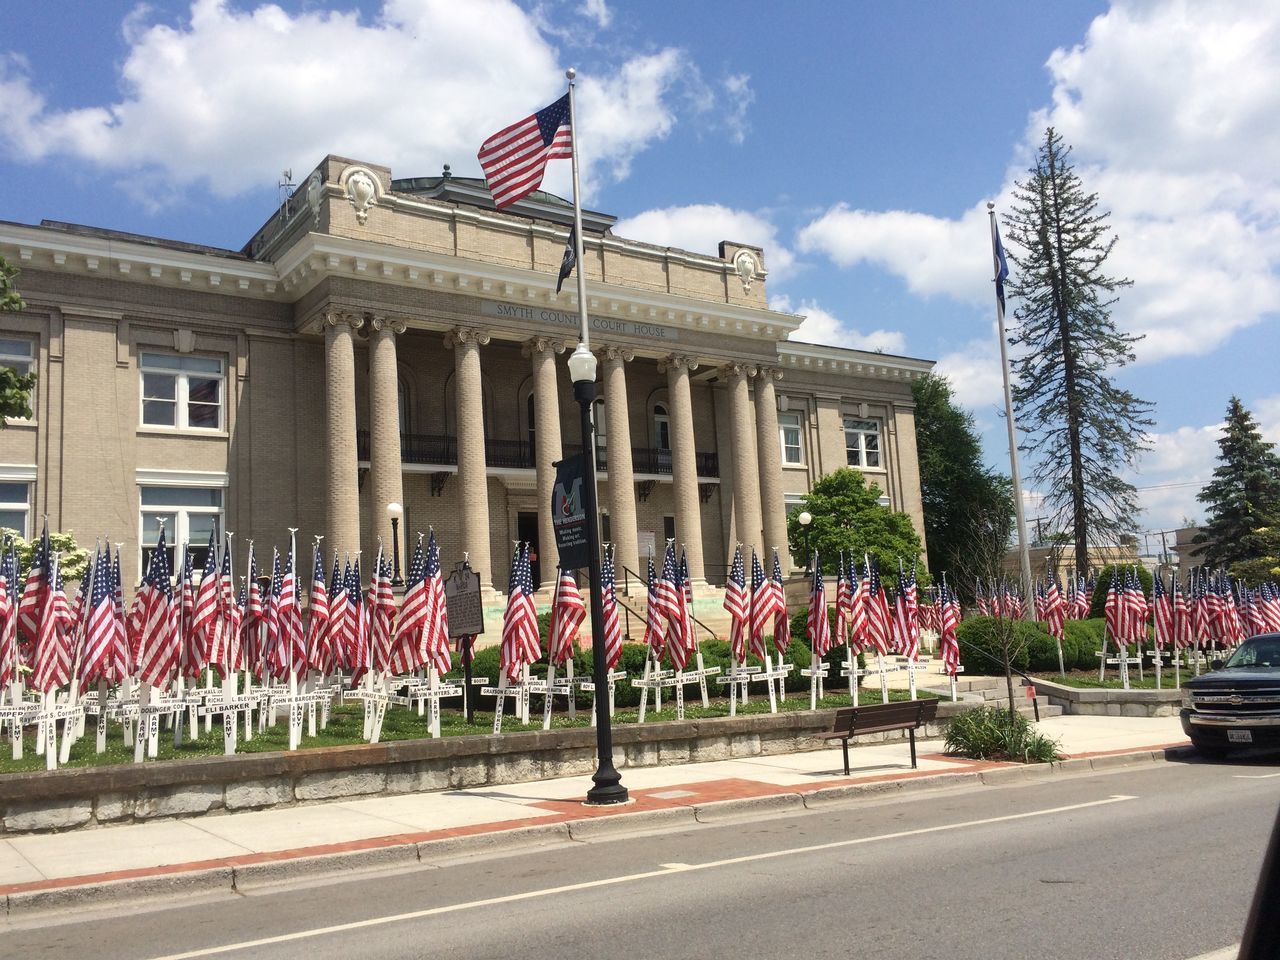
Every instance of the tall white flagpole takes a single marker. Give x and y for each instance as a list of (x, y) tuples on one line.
[(1024, 550), (583, 333)]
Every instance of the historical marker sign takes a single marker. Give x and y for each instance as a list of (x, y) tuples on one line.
[(462, 603)]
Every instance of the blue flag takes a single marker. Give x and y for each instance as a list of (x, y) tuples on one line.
[(1002, 273)]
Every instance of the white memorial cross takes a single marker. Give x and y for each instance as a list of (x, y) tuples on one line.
[(612, 678), (17, 713), (516, 691), (431, 692), (913, 665), (652, 672), (816, 672)]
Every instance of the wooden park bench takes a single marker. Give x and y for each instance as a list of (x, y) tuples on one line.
[(908, 715)]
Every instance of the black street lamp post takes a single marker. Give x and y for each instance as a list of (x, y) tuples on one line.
[(608, 787)]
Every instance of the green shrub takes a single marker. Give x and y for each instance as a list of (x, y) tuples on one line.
[(990, 734), (1103, 585), (1085, 638)]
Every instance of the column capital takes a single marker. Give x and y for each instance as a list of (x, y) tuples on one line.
[(770, 373), (394, 324), (736, 369), (677, 362), (618, 353), (466, 335), (537, 345), (336, 318)]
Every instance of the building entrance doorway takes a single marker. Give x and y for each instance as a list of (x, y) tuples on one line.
[(527, 529)]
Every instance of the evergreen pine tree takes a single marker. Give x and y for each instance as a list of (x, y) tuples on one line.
[(1080, 428), (1243, 498), (958, 492)]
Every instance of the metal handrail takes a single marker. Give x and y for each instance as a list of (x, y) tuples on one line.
[(627, 573)]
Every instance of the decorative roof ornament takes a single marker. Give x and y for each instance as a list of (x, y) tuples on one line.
[(747, 267)]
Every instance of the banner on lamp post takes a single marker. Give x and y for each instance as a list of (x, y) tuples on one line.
[(569, 512)]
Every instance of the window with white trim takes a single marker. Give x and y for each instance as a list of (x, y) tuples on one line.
[(189, 514), (661, 428), (791, 436), (19, 354), (862, 442), (181, 392), (15, 507)]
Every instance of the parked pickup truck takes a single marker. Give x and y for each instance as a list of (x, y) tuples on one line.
[(1237, 704)]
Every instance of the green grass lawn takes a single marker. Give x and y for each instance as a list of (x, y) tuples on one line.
[(346, 728), (1089, 679)]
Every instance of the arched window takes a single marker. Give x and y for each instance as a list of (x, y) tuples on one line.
[(661, 427), (402, 397), (532, 435)]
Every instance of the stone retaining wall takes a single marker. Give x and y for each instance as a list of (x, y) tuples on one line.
[(121, 793), (1100, 702)]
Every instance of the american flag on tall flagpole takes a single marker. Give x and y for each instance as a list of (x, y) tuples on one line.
[(737, 605), (515, 158), (654, 621), (609, 606), (568, 610)]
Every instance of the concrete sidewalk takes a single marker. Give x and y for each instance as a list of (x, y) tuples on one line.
[(233, 850)]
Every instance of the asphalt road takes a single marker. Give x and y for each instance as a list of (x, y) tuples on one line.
[(1150, 862)]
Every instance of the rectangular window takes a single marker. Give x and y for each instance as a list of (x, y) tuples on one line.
[(15, 507), (181, 392), (19, 354), (862, 442), (189, 514), (791, 437)]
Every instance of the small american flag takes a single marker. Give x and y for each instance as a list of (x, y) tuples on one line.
[(781, 625), (818, 625), (949, 620), (319, 653), (844, 602), (206, 614), (906, 627), (654, 620), (1162, 612), (567, 613), (407, 652), (737, 605), (160, 636), (515, 158), (609, 605), (8, 620), (878, 619), (101, 660), (190, 662), (335, 629), (666, 599), (358, 625), (31, 606), (52, 666), (520, 643), (761, 608), (677, 627), (436, 633)]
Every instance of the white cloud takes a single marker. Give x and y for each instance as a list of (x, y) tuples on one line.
[(821, 326), (974, 371), (700, 227), (1267, 412), (598, 11), (1169, 107), (739, 97), (413, 87)]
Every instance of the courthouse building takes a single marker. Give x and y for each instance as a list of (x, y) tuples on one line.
[(385, 341)]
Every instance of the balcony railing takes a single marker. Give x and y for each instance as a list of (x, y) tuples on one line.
[(519, 454)]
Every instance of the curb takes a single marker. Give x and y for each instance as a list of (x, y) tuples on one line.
[(265, 871)]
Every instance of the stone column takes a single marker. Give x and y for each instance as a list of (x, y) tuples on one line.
[(384, 427), (622, 485), (746, 475), (684, 465), (769, 454), (473, 480), (342, 481), (546, 427)]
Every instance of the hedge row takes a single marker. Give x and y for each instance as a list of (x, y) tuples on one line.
[(1035, 650)]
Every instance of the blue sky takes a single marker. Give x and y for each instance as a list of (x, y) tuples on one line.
[(857, 142)]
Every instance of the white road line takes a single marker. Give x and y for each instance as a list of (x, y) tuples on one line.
[(1226, 953), (666, 871), (1251, 776)]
